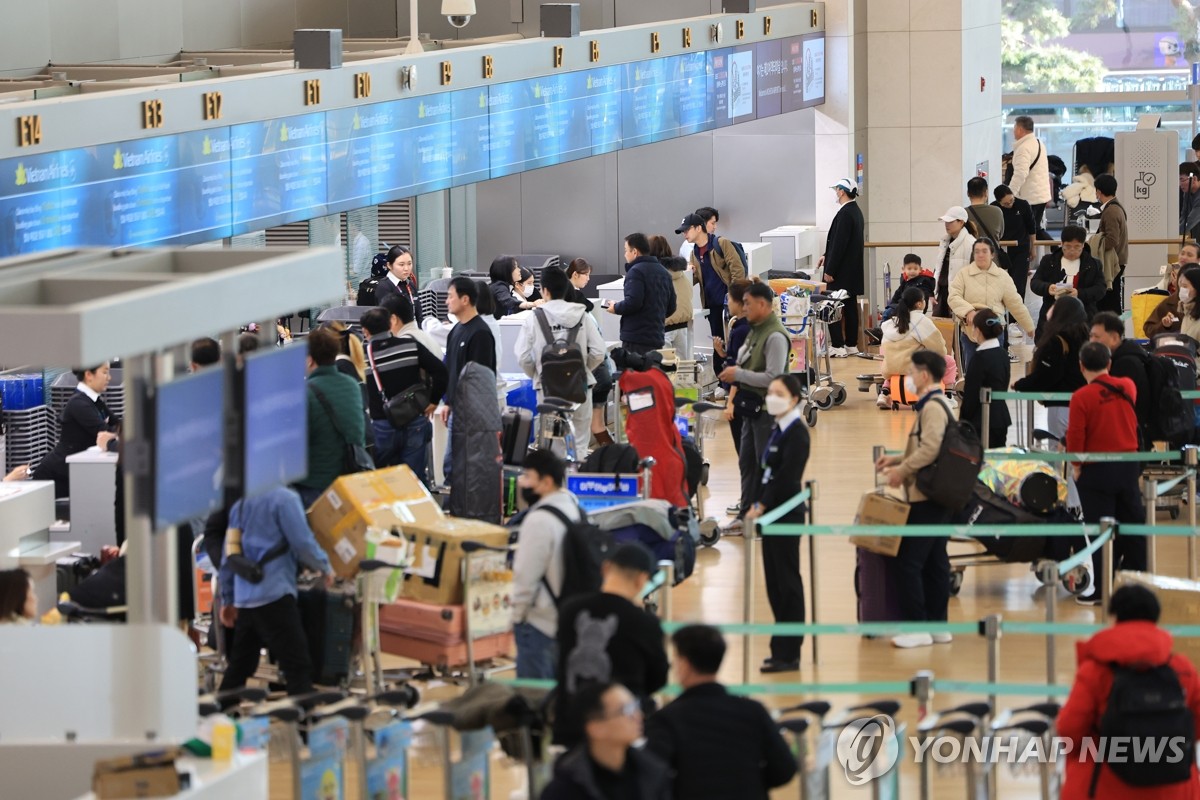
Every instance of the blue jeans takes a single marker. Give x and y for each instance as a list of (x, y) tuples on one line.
[(407, 446), (537, 653)]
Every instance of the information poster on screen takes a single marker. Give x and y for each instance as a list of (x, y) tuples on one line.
[(279, 171), (189, 447), (205, 185)]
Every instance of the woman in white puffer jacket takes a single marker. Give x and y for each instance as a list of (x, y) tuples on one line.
[(953, 255)]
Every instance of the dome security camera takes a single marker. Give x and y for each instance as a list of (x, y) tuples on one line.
[(458, 12)]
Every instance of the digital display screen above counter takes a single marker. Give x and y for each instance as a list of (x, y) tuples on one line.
[(206, 185), (189, 447)]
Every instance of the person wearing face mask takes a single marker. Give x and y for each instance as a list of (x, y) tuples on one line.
[(525, 289), (1179, 313), (782, 467), (922, 568), (538, 565), (1069, 271)]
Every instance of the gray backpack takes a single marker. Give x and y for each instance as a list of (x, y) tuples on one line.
[(564, 371)]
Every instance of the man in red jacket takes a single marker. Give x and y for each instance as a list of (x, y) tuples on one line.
[(1103, 419), (1135, 641)]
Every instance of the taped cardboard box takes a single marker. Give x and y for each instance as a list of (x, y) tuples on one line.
[(143, 775), (436, 572), (877, 508), (1180, 602), (382, 500)]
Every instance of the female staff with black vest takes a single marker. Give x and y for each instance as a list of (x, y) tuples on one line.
[(86, 422), (783, 465)]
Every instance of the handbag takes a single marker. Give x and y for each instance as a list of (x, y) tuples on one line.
[(355, 457), (1002, 260), (406, 405)]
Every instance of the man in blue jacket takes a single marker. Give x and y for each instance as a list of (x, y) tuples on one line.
[(649, 298), (271, 531)]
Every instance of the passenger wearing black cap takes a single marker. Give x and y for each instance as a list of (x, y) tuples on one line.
[(842, 263), (606, 636), (399, 279), (715, 264)]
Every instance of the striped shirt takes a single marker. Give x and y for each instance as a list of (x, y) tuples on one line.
[(400, 362)]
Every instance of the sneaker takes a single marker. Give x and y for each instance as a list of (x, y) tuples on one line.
[(851, 351), (907, 641), (951, 401), (837, 352), (943, 638), (883, 401), (1012, 358), (1015, 334), (718, 393), (734, 509), (1092, 599), (734, 528)]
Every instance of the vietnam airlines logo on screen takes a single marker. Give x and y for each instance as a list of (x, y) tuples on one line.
[(537, 91), (21, 177), (139, 158), (206, 147), (118, 159), (483, 100), (283, 132), (297, 132), (54, 171), (421, 111), (357, 121)]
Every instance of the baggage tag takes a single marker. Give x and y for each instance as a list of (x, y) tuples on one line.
[(640, 401), (345, 550)]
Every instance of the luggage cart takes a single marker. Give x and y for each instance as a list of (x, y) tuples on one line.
[(822, 391)]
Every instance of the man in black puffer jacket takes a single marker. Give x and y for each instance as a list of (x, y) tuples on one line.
[(649, 298)]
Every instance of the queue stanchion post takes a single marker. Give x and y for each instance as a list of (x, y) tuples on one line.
[(922, 692), (1029, 441), (985, 399), (989, 628), (1150, 499), (748, 536), (1189, 459), (664, 606), (1050, 577), (1106, 565), (812, 561)]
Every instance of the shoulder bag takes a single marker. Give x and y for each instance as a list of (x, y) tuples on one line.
[(355, 457), (404, 406)]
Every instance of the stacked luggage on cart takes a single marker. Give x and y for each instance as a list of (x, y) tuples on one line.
[(455, 584)]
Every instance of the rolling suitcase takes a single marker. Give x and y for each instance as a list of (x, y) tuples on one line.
[(516, 426), (876, 588), (328, 619), (445, 656), (680, 549), (425, 621)]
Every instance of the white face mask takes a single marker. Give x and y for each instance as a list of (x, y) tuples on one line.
[(527, 291), (910, 385), (1185, 294), (778, 406)]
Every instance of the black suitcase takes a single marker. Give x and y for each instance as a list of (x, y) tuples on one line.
[(515, 425), (695, 466), (612, 459), (328, 619)]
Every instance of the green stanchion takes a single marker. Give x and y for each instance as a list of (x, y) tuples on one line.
[(931, 531), (843, 629), (1190, 394), (1163, 488), (1127, 315), (527, 683), (774, 514), (1084, 458), (1085, 554), (1046, 397), (1005, 689), (1157, 530), (894, 688)]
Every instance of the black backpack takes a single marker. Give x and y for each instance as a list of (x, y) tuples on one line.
[(694, 466), (584, 548), (1148, 709), (741, 251), (366, 289), (564, 371), (950, 480), (1172, 418), (612, 459)]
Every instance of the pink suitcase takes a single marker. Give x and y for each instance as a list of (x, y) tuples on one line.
[(425, 621), (445, 656)]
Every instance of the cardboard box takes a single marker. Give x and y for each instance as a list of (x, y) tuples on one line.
[(143, 775), (383, 499), (877, 508), (436, 572), (1180, 601)]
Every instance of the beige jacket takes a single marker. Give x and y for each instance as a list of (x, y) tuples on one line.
[(924, 443), (975, 288), (898, 348), (682, 283)]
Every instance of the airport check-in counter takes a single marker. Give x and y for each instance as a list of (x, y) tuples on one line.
[(27, 508), (93, 497)]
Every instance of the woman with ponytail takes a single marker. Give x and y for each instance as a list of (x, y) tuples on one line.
[(989, 369), (908, 331)]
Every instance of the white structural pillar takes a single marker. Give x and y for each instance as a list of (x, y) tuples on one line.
[(933, 115)]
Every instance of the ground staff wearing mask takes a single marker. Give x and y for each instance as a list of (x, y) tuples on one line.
[(783, 464), (922, 568)]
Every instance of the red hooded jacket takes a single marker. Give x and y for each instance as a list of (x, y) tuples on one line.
[(1124, 643)]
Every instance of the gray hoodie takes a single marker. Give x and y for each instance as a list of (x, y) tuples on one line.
[(540, 556), (563, 316)]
